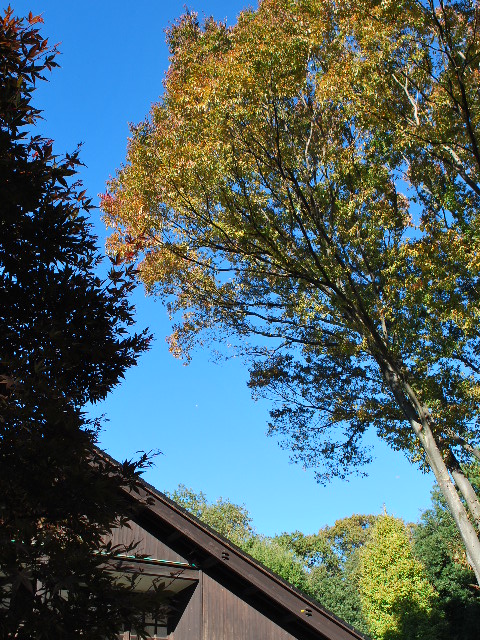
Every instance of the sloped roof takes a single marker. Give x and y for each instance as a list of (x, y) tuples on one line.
[(208, 551)]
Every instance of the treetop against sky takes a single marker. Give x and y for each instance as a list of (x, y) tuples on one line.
[(264, 203), (212, 435)]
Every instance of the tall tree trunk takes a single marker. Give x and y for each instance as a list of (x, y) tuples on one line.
[(418, 417), (465, 487), (447, 486)]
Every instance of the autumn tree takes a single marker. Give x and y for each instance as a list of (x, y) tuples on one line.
[(398, 601), (65, 341), (308, 189)]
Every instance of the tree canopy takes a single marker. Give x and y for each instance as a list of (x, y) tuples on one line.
[(388, 580), (330, 558), (308, 188), (397, 599), (65, 340), (231, 520), (438, 546)]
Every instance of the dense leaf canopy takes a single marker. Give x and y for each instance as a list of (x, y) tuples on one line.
[(309, 187), (289, 184), (397, 600), (438, 546)]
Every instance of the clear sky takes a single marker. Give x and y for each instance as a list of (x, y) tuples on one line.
[(211, 434)]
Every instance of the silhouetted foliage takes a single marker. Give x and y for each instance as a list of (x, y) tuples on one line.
[(64, 342)]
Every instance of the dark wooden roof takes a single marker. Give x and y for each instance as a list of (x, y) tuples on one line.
[(207, 550)]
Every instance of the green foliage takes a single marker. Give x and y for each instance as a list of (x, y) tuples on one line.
[(230, 520), (439, 547), (64, 341), (334, 546), (278, 559), (338, 592), (398, 601), (330, 558)]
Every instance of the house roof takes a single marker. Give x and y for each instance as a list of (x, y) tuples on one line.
[(209, 551)]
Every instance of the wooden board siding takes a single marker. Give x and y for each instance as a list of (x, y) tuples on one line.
[(148, 545), (227, 616), (265, 596), (189, 626)]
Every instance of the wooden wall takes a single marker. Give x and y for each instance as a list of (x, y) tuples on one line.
[(215, 613), (148, 544), (219, 606), (189, 626), (227, 616)]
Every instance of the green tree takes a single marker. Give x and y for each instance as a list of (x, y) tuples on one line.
[(439, 547), (338, 592), (333, 546), (64, 342), (309, 187), (398, 601), (279, 559), (331, 559), (230, 520), (234, 522)]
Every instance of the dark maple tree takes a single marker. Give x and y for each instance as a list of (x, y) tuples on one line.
[(65, 340)]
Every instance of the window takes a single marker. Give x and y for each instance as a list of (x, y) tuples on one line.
[(156, 627)]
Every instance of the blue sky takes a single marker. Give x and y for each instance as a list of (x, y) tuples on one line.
[(201, 416)]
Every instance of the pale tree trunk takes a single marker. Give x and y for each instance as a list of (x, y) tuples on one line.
[(418, 417), (463, 484), (458, 511), (473, 451), (467, 491)]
